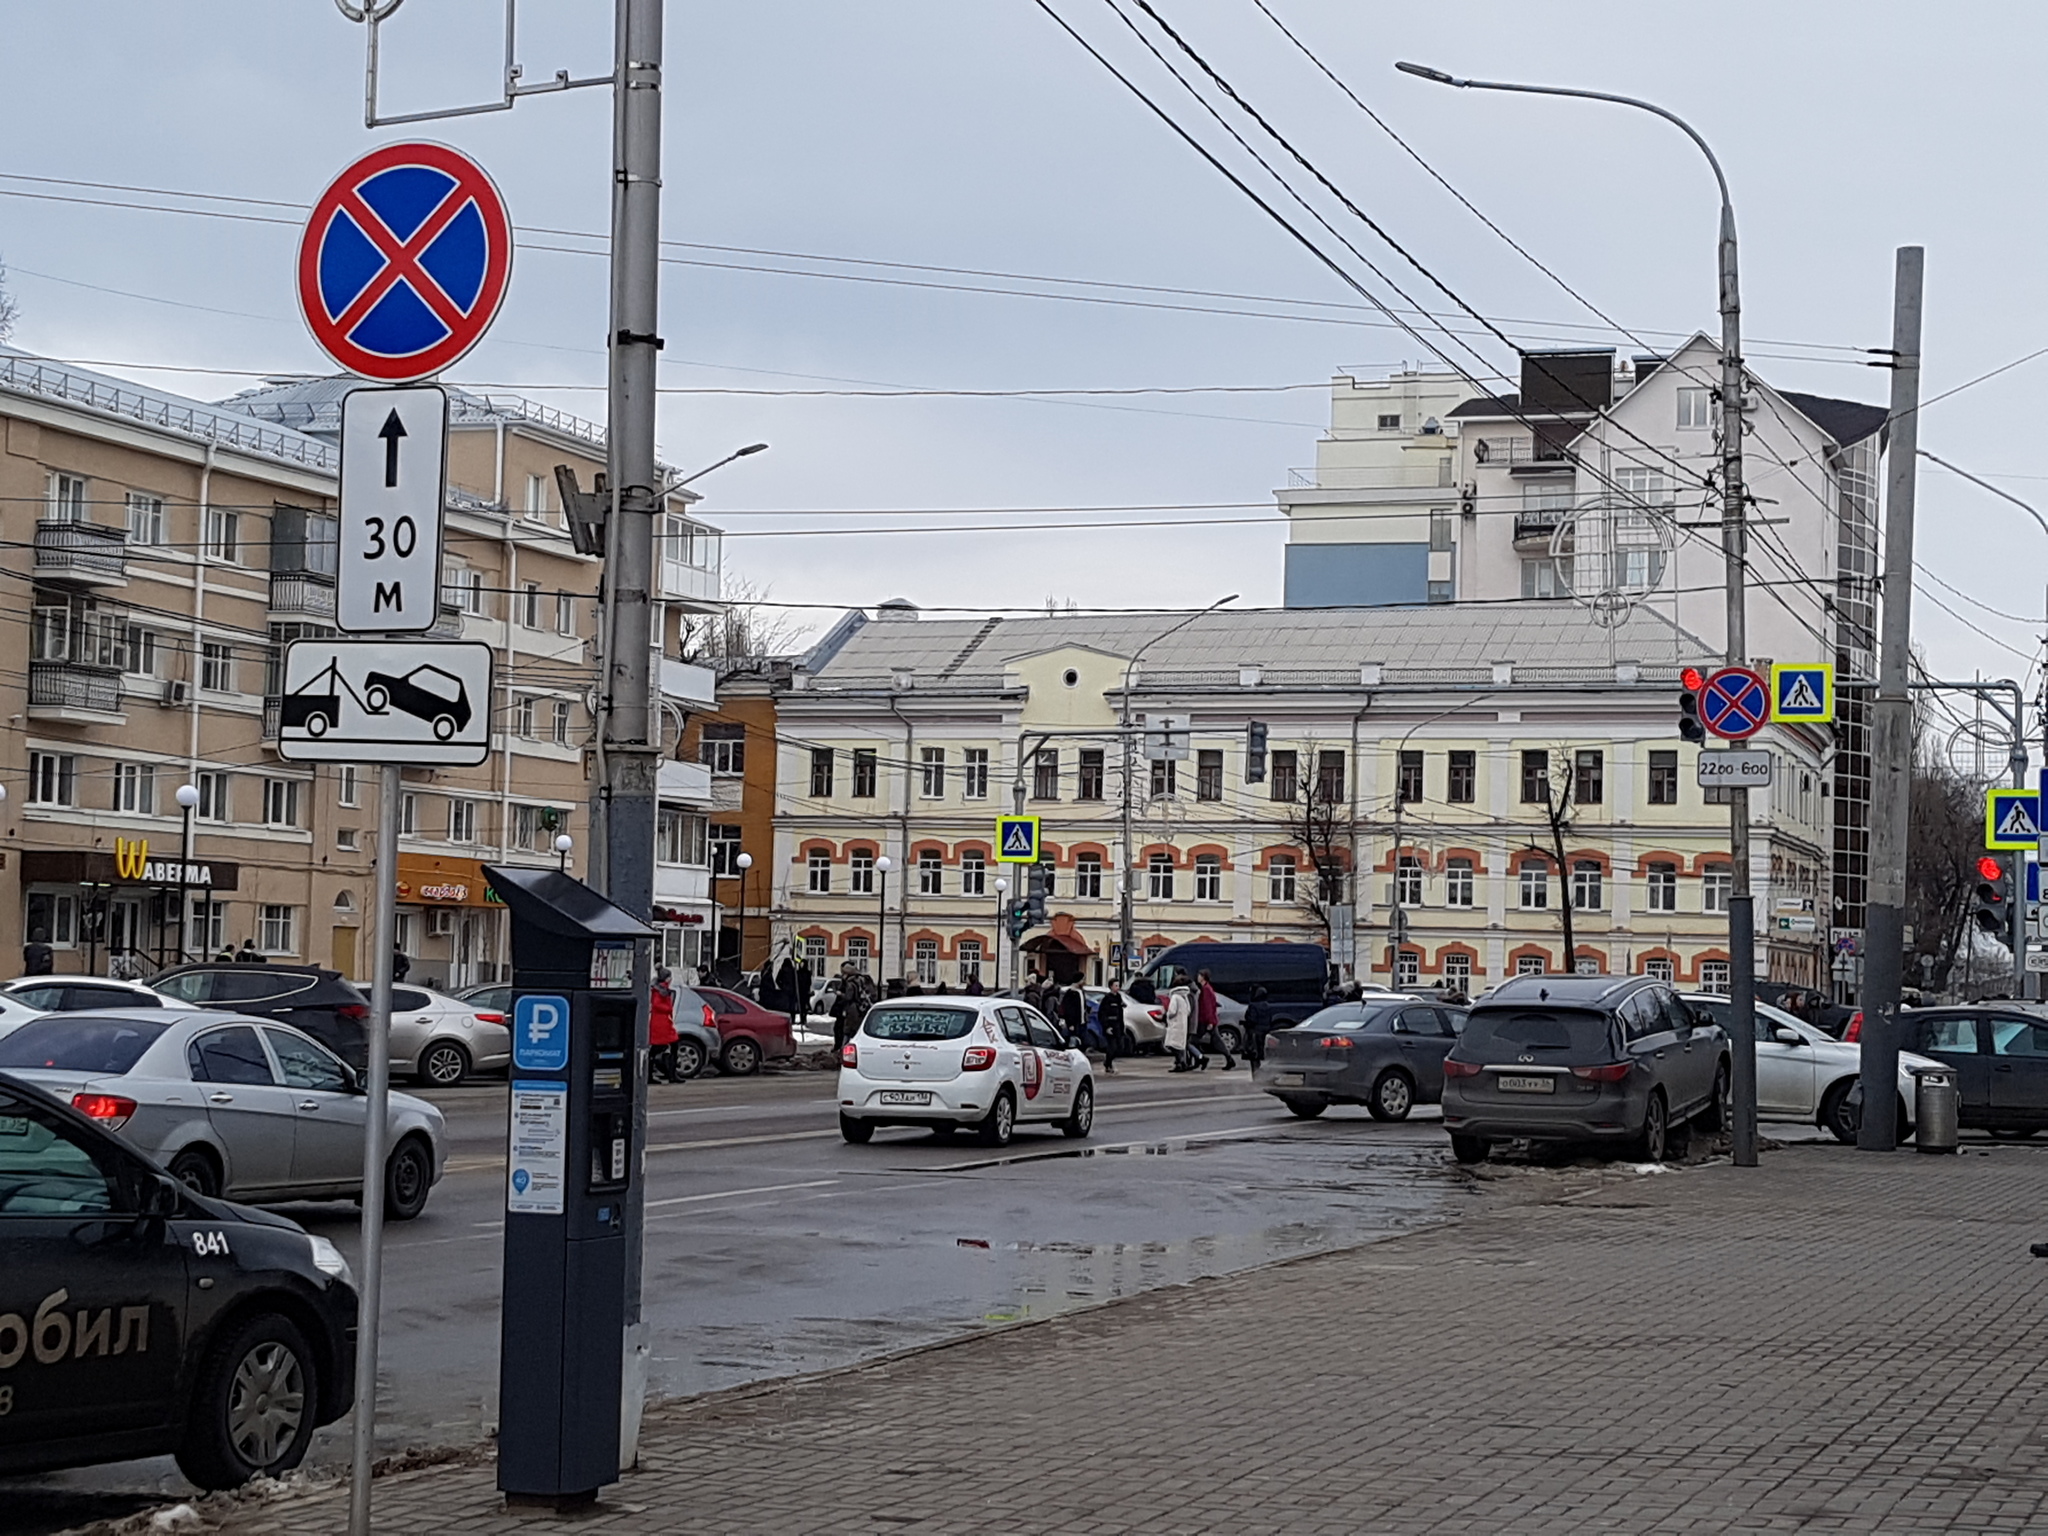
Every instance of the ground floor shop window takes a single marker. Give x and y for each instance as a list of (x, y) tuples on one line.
[(52, 917)]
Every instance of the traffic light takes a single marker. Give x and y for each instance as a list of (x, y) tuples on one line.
[(1994, 898), (1689, 726), (1019, 917), (1255, 753), (1034, 899)]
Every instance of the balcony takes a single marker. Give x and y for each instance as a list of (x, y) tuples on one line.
[(271, 704), (1525, 455), (1534, 529), (1432, 474), (447, 624), (689, 684), (678, 885), (73, 693), (86, 553), (685, 783), (302, 594)]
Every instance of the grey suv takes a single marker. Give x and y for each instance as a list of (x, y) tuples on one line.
[(1584, 1058)]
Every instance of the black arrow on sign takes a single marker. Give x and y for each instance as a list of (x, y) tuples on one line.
[(392, 430)]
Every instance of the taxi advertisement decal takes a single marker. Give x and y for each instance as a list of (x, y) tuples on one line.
[(1034, 1072)]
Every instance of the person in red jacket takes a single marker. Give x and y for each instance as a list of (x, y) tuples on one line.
[(661, 1027), (1206, 1035)]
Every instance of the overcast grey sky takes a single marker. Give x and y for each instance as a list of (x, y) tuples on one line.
[(974, 134)]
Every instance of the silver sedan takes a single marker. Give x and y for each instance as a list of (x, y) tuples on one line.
[(441, 1040), (242, 1107)]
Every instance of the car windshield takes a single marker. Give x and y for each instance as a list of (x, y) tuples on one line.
[(1529, 1029), (69, 1043), (919, 1023), (1343, 1016)]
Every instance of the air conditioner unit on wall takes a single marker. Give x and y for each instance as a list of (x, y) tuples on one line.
[(440, 922), (176, 692)]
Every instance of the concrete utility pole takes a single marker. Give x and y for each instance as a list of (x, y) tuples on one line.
[(1891, 733)]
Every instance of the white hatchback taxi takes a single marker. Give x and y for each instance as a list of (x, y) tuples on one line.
[(957, 1063)]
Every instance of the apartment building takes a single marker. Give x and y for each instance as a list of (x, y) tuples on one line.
[(1403, 817), (169, 550), (734, 746)]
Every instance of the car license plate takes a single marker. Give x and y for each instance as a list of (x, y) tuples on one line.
[(1287, 1079), (1527, 1084), (898, 1096)]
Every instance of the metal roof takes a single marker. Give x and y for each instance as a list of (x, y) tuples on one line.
[(314, 405)]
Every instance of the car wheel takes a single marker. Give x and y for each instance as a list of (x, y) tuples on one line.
[(1082, 1119), (689, 1059), (1231, 1039), (444, 1064), (1837, 1117), (2014, 1133), (1470, 1149), (1306, 1109), (408, 1175), (1650, 1144), (253, 1405), (742, 1058), (1719, 1115), (1392, 1096), (196, 1169), (1000, 1123), (859, 1132)]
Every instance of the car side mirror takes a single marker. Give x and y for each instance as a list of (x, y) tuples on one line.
[(164, 1196), (1786, 1036)]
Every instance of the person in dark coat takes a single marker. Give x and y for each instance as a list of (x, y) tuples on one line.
[(1109, 1019), (1258, 1023), (247, 955), (37, 957), (1073, 1015), (401, 967), (973, 987)]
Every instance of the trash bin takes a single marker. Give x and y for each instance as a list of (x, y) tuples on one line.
[(1935, 1101)]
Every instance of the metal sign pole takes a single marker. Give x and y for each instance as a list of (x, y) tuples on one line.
[(377, 1099)]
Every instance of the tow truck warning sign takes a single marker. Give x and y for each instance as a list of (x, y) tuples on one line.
[(386, 701)]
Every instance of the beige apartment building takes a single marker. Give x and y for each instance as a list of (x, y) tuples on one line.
[(165, 552)]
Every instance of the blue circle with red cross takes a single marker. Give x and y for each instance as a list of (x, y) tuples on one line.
[(1735, 704), (404, 262)]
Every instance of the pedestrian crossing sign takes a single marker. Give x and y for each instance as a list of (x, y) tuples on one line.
[(1017, 839), (1803, 693), (2012, 819)]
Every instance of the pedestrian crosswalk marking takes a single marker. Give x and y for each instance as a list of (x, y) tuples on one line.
[(1800, 699), (2017, 824)]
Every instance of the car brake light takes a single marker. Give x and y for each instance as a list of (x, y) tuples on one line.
[(849, 1056), (352, 1011), (490, 1018), (710, 1018), (1854, 1032), (1613, 1072), (1455, 1068), (1334, 1043), (110, 1109), (978, 1058)]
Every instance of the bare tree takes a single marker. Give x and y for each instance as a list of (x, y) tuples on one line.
[(1559, 784), (9, 310), (747, 627), (1318, 818), (1941, 870)]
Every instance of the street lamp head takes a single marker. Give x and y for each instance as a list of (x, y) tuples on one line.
[(564, 843), (751, 448), (1002, 886), (885, 863), (745, 861), (188, 796), (1424, 72)]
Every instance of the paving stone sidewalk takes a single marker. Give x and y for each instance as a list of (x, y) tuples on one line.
[(1833, 1342)]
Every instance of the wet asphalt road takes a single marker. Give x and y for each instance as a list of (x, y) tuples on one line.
[(773, 1247)]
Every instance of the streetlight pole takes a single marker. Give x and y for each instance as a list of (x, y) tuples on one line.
[(188, 801), (1129, 886), (744, 863), (1741, 903), (882, 867), (1002, 921)]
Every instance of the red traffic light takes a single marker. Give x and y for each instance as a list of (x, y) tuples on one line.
[(1693, 679), (1989, 868)]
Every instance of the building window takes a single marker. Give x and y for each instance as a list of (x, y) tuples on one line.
[(1159, 877), (1162, 777), (409, 815), (974, 773), (1589, 776), (536, 497), (522, 716), (562, 717), (216, 666), (1390, 421), (863, 773), (1458, 972), (931, 874), (281, 802), (1717, 794), (1408, 881), (924, 957), (678, 835), (1586, 893), (1208, 877), (1658, 968), (528, 606), (52, 778), (214, 803), (1439, 530), (1284, 776), (223, 535), (461, 821), (1408, 784), (1695, 407), (462, 589), (857, 954), (1208, 775), (814, 953), (969, 953), (1045, 774), (1715, 976), (135, 788), (275, 930), (1330, 777), (1458, 883), (818, 872), (67, 499), (932, 772), (1088, 877), (1536, 777), (723, 749), (1717, 884), (135, 651), (52, 917), (821, 773), (1663, 778), (973, 873), (1544, 578), (1463, 785), (1280, 872), (1662, 884), (565, 614), (1530, 965), (1407, 968), (1535, 887), (1437, 592), (725, 848), (145, 518), (1088, 785), (860, 865), (207, 933)]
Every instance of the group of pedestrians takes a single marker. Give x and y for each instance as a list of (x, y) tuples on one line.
[(1192, 1032)]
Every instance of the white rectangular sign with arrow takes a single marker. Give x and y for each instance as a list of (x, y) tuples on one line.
[(394, 482), (386, 701)]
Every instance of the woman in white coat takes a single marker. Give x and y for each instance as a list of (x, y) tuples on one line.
[(1179, 1016)]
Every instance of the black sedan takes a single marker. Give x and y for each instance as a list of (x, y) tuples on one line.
[(1386, 1053)]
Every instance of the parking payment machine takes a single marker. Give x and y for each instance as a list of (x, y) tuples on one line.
[(569, 1164)]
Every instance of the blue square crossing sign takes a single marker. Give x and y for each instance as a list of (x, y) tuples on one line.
[(1017, 839), (1803, 693)]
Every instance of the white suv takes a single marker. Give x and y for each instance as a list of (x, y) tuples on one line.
[(949, 1063)]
